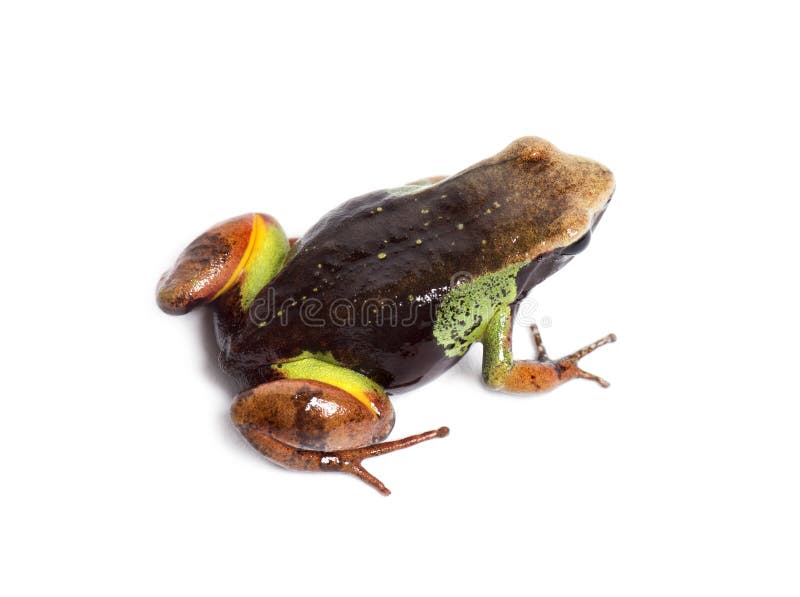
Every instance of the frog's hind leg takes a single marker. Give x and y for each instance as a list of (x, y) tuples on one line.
[(307, 424), (241, 253), (502, 372)]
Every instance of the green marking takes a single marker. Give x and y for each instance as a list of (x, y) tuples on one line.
[(266, 262), (322, 367), (326, 357), (497, 357), (466, 310)]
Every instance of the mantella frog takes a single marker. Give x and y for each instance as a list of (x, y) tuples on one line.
[(384, 293)]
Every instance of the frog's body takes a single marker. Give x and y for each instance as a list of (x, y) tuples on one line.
[(387, 291)]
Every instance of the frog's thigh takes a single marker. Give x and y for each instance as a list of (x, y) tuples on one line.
[(216, 260), (502, 372)]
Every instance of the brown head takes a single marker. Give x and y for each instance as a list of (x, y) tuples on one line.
[(556, 198)]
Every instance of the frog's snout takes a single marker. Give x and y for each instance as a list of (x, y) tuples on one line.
[(597, 188), (599, 214)]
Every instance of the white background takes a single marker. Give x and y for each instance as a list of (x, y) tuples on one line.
[(128, 128)]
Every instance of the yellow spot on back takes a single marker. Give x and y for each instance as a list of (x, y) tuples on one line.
[(460, 226), (381, 255), (379, 209)]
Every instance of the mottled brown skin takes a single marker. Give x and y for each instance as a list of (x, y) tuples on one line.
[(276, 420), (313, 415), (529, 204)]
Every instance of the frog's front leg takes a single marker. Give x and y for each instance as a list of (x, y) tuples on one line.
[(502, 372), (321, 417)]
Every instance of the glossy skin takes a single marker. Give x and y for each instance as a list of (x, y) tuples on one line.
[(386, 292)]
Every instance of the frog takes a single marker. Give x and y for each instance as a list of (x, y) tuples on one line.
[(384, 293)]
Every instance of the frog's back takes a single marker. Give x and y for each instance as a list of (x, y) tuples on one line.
[(363, 286)]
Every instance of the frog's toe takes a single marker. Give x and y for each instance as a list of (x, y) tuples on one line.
[(568, 365), (590, 376)]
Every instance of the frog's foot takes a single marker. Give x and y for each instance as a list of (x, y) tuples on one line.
[(349, 461), (568, 365), (304, 424), (501, 371)]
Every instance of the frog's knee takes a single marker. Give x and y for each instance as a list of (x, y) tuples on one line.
[(313, 415), (219, 259)]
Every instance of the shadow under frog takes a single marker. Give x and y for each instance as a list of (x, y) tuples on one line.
[(302, 327)]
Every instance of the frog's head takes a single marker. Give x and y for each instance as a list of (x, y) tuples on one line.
[(560, 197), (239, 255)]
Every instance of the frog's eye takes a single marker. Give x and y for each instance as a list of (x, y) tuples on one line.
[(536, 150), (529, 149), (210, 265)]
